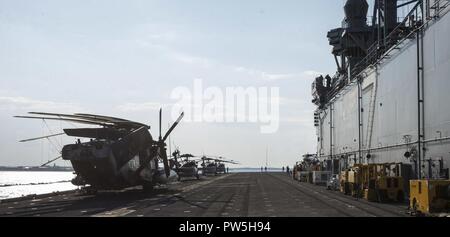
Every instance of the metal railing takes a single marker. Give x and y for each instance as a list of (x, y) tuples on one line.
[(399, 145), (407, 29)]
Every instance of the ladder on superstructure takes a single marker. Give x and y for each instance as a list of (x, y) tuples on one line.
[(371, 115)]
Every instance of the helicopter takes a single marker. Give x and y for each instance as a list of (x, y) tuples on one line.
[(184, 165), (215, 165), (120, 154), (221, 169)]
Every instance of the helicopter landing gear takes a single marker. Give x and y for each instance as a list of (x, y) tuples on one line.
[(88, 191)]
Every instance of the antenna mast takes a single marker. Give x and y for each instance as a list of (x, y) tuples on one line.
[(267, 155)]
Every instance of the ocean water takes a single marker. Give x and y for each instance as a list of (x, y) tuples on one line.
[(22, 183)]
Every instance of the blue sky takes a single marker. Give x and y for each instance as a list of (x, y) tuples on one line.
[(123, 58)]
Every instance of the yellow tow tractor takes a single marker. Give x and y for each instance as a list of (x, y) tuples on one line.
[(383, 182), (429, 196), (354, 180), (343, 182), (374, 182)]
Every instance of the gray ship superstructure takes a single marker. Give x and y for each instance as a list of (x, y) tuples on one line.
[(389, 100)]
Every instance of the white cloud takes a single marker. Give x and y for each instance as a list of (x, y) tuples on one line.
[(291, 101), (189, 59), (139, 107), (263, 75), (161, 42), (24, 103), (163, 36), (173, 54), (312, 73), (309, 74)]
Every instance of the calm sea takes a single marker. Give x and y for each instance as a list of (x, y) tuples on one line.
[(21, 183)]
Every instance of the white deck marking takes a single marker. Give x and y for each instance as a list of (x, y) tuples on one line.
[(197, 185), (115, 213)]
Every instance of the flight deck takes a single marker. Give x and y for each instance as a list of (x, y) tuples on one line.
[(229, 195)]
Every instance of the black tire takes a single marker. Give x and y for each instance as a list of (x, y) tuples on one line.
[(197, 176), (414, 206)]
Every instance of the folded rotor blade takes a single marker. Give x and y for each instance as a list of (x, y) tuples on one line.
[(38, 138), (59, 157), (97, 118), (68, 120), (71, 116)]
